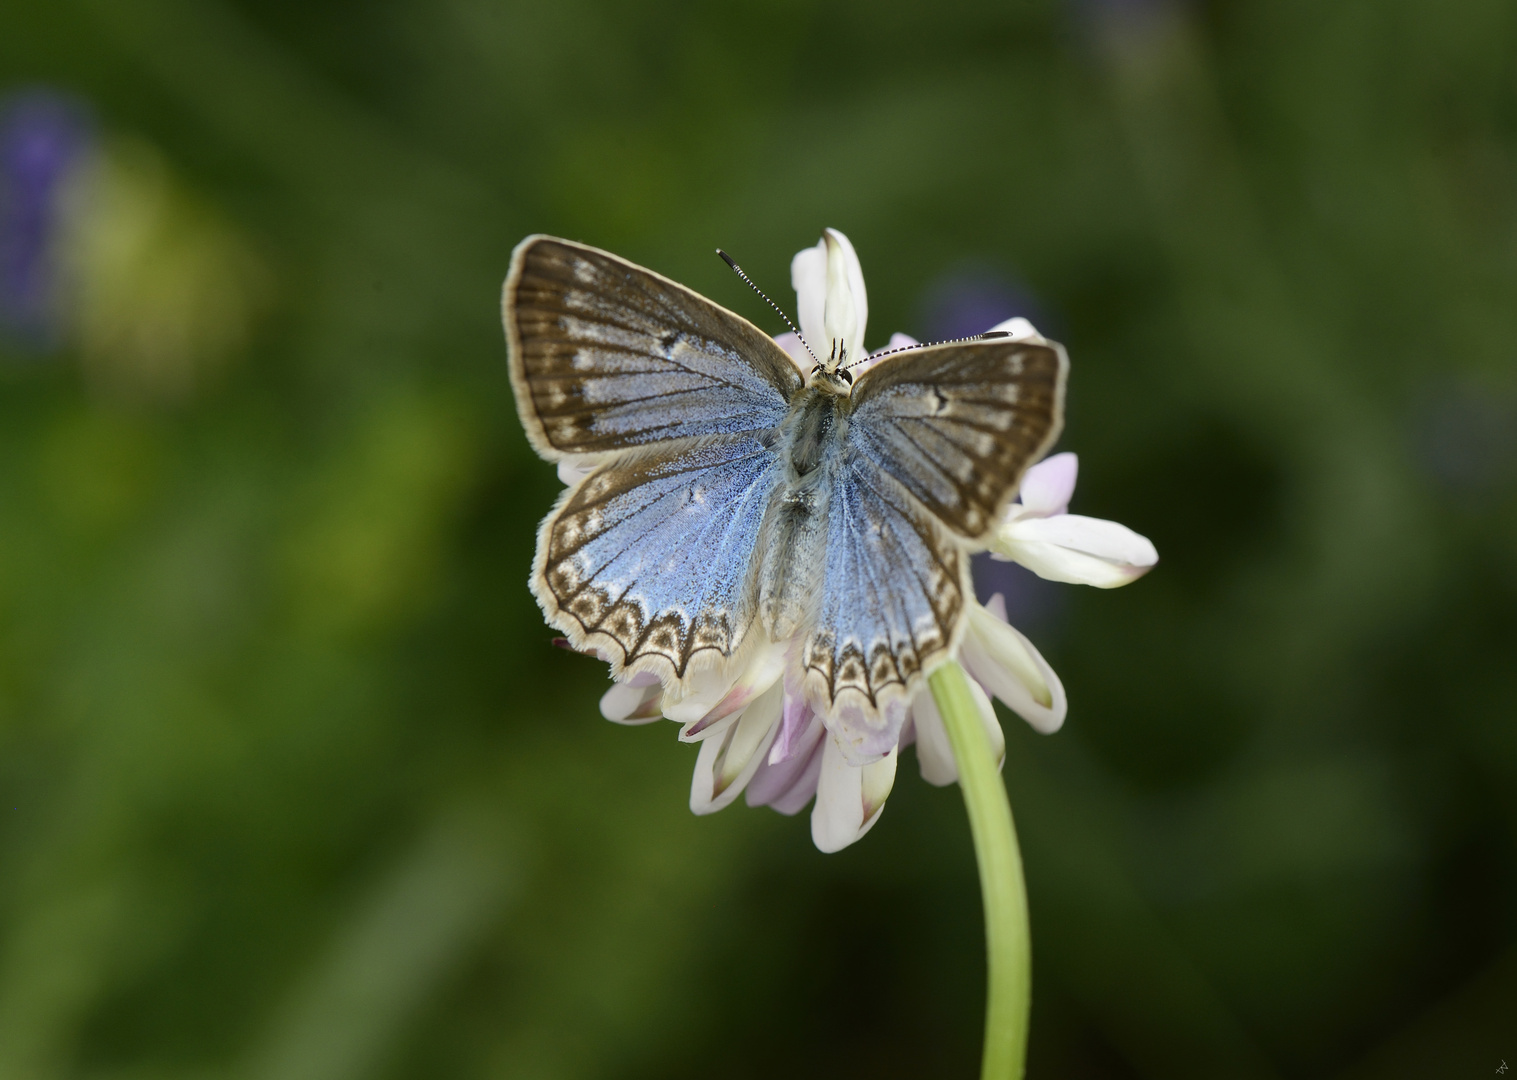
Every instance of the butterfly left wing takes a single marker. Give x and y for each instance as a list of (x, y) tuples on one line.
[(607, 356), (648, 559), (936, 443)]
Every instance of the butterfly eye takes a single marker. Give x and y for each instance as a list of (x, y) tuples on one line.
[(847, 378)]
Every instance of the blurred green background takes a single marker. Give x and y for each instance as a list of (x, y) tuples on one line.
[(293, 784)]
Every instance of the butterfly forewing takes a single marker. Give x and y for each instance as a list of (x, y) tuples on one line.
[(607, 356), (649, 556), (957, 425)]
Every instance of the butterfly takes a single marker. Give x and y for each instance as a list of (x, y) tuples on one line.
[(735, 500)]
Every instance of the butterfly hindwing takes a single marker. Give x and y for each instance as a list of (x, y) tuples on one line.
[(649, 556), (957, 425), (893, 592), (606, 356)]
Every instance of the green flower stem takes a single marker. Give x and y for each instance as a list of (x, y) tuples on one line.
[(1008, 950)]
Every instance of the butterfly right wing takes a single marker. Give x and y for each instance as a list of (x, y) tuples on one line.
[(937, 441), (607, 356), (647, 560), (958, 425)]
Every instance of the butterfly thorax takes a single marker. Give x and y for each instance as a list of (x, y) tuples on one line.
[(817, 420)]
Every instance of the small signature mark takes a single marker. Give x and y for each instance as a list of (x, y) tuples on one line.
[(1502, 1067)]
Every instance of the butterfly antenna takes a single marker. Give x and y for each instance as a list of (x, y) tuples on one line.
[(739, 271), (989, 335)]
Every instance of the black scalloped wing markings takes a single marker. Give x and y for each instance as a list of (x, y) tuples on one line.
[(957, 425), (893, 590), (608, 356)]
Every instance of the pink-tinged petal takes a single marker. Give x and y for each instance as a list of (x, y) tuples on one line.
[(1019, 329), (633, 701), (714, 700), (729, 760), (791, 343), (897, 341), (808, 276), (848, 799), (789, 785), (1077, 549), (570, 473), (794, 800), (1005, 662), (796, 719), (1048, 485)]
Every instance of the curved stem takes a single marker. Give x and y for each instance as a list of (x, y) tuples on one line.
[(1007, 944)]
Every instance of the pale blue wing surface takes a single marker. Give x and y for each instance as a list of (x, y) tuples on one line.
[(957, 425), (892, 594), (650, 556), (607, 356)]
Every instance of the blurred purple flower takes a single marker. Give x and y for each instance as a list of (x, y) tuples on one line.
[(43, 137), (972, 299)]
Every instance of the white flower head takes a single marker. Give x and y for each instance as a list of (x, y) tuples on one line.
[(757, 731)]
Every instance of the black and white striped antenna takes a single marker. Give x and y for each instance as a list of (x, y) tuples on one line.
[(739, 271), (989, 335)]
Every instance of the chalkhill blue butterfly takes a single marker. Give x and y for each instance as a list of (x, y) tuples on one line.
[(739, 520)]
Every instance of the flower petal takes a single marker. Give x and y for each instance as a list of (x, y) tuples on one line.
[(1018, 329), (808, 276), (728, 761), (1048, 485), (791, 343), (1077, 549), (789, 784), (796, 719), (633, 701), (934, 753), (1008, 665), (846, 309), (848, 799), (897, 341), (713, 700)]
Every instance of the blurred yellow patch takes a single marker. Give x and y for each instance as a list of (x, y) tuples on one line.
[(163, 291)]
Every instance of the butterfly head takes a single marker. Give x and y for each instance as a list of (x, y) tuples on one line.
[(833, 372)]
